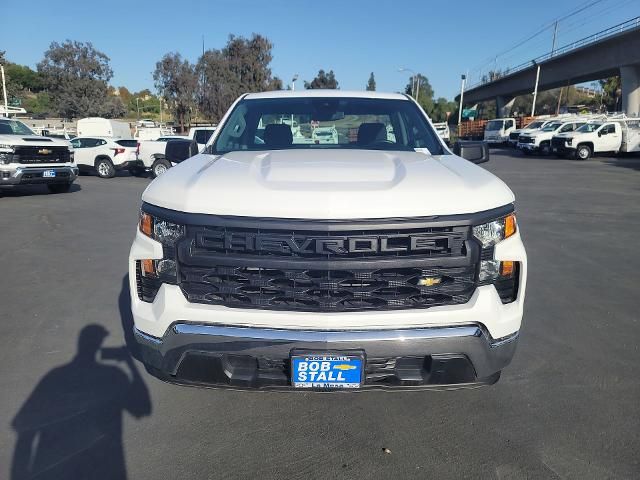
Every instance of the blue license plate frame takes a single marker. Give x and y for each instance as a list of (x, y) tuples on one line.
[(327, 370)]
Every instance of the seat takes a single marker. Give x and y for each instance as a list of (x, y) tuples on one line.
[(369, 133), (278, 135)]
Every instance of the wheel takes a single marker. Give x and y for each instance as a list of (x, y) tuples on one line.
[(159, 167), (105, 168), (137, 171), (59, 187), (545, 148), (583, 152)]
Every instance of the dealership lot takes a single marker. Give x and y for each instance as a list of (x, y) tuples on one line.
[(567, 407)]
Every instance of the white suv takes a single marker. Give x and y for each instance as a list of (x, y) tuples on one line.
[(106, 155), (376, 262)]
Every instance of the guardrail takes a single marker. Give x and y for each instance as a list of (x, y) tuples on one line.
[(596, 37)]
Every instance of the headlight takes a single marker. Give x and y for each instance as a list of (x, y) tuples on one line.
[(493, 232), (154, 272), (502, 274)]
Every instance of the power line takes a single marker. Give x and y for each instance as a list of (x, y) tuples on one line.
[(576, 10)]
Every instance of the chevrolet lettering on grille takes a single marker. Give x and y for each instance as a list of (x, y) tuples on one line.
[(336, 245)]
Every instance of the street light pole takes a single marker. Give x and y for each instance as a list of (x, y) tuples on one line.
[(414, 77), (293, 82), (463, 77), (535, 91), (417, 89), (4, 93), (138, 107)]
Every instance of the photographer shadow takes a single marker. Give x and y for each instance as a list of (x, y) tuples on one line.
[(71, 424)]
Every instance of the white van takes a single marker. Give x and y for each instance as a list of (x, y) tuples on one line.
[(103, 127)]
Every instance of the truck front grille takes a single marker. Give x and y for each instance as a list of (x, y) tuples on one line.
[(39, 154), (557, 142), (514, 135), (523, 139), (327, 267)]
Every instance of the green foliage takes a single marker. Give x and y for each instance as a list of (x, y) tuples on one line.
[(322, 80), (242, 66), (76, 76), (612, 93), (38, 103), (436, 109), (371, 84), (177, 81)]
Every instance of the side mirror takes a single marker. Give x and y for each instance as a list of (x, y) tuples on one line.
[(600, 133), (179, 150), (474, 151)]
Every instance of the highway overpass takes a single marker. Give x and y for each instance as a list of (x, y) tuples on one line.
[(615, 51)]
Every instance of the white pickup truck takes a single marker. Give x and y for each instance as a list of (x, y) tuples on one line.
[(379, 262), (539, 141), (29, 159), (602, 136), (152, 152)]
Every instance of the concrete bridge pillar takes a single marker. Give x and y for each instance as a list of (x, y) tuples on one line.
[(504, 105), (630, 80)]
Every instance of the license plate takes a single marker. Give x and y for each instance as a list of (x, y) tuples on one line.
[(326, 370), (49, 173)]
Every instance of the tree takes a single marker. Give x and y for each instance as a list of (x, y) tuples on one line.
[(176, 80), (76, 75), (322, 80), (612, 93), (424, 94), (242, 66), (371, 84)]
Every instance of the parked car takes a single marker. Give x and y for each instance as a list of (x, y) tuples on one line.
[(105, 156), (152, 154), (443, 131), (327, 135), (540, 140), (272, 264), (530, 127), (146, 123), (29, 159), (610, 136), (498, 130)]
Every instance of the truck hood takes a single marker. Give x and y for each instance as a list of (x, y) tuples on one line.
[(32, 140), (328, 184)]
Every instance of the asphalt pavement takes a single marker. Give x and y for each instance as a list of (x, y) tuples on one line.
[(567, 407)]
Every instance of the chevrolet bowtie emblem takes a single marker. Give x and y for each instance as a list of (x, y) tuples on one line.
[(344, 367), (44, 151)]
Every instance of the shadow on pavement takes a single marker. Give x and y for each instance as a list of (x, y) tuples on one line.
[(29, 190), (70, 427), (632, 163)]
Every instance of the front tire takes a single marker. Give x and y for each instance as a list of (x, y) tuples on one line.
[(59, 187), (545, 149), (105, 168), (583, 152), (159, 167)]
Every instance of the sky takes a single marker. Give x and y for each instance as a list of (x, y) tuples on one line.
[(440, 39)]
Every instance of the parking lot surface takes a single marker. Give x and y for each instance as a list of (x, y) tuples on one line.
[(567, 407)]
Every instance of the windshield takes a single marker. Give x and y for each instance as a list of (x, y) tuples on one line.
[(589, 127), (358, 123), (551, 127), (495, 125), (534, 125), (13, 127)]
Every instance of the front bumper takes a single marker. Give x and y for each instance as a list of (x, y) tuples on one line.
[(258, 358), (130, 164), (35, 175)]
